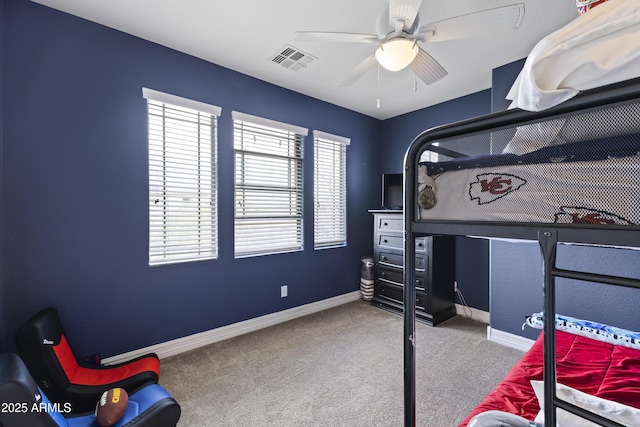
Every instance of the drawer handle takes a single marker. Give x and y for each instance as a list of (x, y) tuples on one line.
[(383, 274), (420, 244), (383, 258), (385, 241), (385, 224)]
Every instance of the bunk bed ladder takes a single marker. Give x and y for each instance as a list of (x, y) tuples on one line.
[(548, 240)]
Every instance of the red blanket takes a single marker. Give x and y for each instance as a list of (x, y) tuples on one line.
[(608, 371)]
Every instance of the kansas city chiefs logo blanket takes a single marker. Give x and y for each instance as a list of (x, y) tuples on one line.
[(489, 187), (576, 215)]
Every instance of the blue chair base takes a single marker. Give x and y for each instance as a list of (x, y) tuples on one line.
[(26, 405)]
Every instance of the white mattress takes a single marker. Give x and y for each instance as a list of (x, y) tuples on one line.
[(603, 191)]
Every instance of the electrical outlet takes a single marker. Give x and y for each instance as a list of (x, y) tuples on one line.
[(283, 291)]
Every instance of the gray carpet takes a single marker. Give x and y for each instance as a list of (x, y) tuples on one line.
[(339, 367)]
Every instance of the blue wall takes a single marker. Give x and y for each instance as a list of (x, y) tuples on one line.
[(472, 255), (76, 188), (399, 132), (516, 269)]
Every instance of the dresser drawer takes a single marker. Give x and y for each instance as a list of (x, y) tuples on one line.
[(395, 294), (389, 292), (390, 241), (390, 258), (397, 242), (422, 262), (390, 276), (393, 224), (397, 260), (396, 278)]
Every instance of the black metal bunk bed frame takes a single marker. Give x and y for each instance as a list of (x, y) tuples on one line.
[(548, 236)]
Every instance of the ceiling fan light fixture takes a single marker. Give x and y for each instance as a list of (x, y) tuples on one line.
[(397, 53)]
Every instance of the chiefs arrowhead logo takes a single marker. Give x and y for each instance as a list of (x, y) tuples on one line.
[(492, 186), (576, 215)]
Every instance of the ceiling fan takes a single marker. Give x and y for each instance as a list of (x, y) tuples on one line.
[(398, 32)]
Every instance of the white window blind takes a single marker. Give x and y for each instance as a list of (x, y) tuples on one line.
[(330, 190), (268, 186), (182, 179)]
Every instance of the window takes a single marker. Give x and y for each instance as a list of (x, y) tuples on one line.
[(268, 186), (430, 156), (330, 190), (182, 179)]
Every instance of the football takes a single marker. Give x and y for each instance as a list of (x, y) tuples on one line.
[(111, 407)]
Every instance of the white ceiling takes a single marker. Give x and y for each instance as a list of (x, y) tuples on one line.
[(244, 35)]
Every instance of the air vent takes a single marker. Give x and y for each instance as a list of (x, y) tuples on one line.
[(292, 58)]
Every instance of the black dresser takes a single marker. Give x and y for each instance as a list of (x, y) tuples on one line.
[(435, 270)]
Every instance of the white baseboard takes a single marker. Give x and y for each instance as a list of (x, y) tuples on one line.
[(508, 339), (191, 342), (495, 335), (472, 313)]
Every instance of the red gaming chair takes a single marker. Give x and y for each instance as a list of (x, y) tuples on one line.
[(43, 346)]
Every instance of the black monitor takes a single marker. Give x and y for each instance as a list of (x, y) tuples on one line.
[(392, 194)]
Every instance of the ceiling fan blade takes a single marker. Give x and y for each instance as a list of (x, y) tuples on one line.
[(427, 68), (404, 11), (359, 71), (335, 37), (475, 24)]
